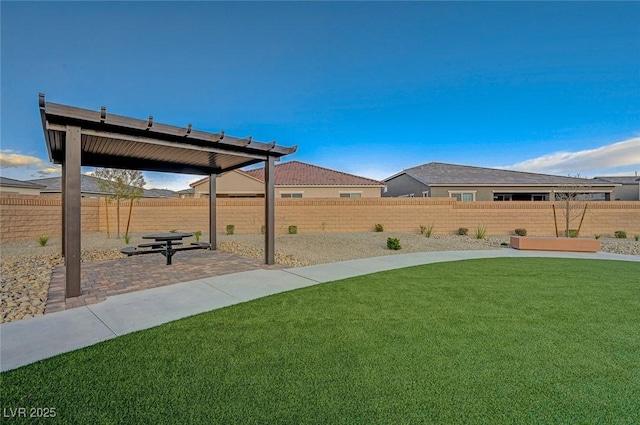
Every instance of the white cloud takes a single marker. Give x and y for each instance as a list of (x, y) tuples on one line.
[(10, 159), (625, 154)]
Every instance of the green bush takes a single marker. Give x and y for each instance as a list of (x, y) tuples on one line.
[(636, 238), (263, 229), (393, 243), (127, 238), (197, 235), (231, 229), (379, 227), (463, 231), (293, 230), (597, 235), (521, 232), (480, 233), (42, 240), (620, 234), (573, 233)]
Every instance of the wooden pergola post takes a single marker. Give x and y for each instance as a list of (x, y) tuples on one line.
[(269, 214), (213, 239), (72, 200)]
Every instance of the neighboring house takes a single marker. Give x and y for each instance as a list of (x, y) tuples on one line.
[(186, 193), (467, 183), (629, 189), (293, 179), (8, 185), (90, 188)]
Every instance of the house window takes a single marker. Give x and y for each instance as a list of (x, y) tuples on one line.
[(502, 197), (350, 195), (291, 195), (463, 196)]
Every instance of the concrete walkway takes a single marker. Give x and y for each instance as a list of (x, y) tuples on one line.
[(27, 341)]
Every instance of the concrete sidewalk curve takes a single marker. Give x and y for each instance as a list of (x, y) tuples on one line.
[(27, 341)]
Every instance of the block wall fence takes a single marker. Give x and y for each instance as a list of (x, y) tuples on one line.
[(26, 217)]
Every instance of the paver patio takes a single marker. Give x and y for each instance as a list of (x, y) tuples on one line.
[(101, 279)]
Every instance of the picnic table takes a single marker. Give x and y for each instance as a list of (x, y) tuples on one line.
[(166, 244)]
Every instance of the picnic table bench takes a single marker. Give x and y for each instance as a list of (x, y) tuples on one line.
[(166, 244)]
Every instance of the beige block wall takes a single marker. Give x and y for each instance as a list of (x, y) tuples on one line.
[(25, 217)]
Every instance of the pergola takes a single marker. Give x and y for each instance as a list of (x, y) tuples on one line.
[(78, 137)]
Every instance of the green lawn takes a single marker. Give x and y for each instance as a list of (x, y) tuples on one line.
[(490, 341)]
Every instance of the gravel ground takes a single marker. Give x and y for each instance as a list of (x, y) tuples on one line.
[(25, 267)]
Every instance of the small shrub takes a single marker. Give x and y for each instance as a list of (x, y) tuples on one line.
[(42, 240), (427, 230), (462, 231), (521, 232), (597, 236), (293, 230), (263, 229), (636, 238), (231, 229), (480, 232), (127, 239), (197, 235), (620, 234), (379, 227), (393, 243), (573, 233), (173, 231)]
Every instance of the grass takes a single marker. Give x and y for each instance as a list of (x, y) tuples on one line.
[(481, 341)]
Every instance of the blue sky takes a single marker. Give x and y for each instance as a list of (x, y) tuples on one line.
[(366, 88)]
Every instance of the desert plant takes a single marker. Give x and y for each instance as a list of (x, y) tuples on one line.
[(620, 234), (42, 240), (293, 230), (636, 238), (231, 229), (197, 235), (463, 231), (521, 231), (121, 184), (379, 227), (173, 231), (480, 233), (571, 204), (393, 243), (263, 229), (597, 236), (429, 230), (127, 238), (573, 233)]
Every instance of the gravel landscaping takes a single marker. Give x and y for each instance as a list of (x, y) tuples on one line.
[(25, 267)]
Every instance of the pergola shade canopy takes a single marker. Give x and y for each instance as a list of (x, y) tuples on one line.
[(77, 137), (115, 141)]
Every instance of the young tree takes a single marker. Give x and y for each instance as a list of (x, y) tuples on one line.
[(572, 204), (121, 184)]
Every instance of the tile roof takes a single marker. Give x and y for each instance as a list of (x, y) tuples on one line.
[(437, 173), (90, 184), (296, 173), (618, 179), (5, 181)]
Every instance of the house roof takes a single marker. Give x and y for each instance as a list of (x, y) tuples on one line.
[(441, 174), (5, 181), (90, 184), (296, 173), (618, 179)]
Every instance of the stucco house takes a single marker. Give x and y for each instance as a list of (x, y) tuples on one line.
[(468, 183), (629, 189), (8, 185), (293, 179)]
